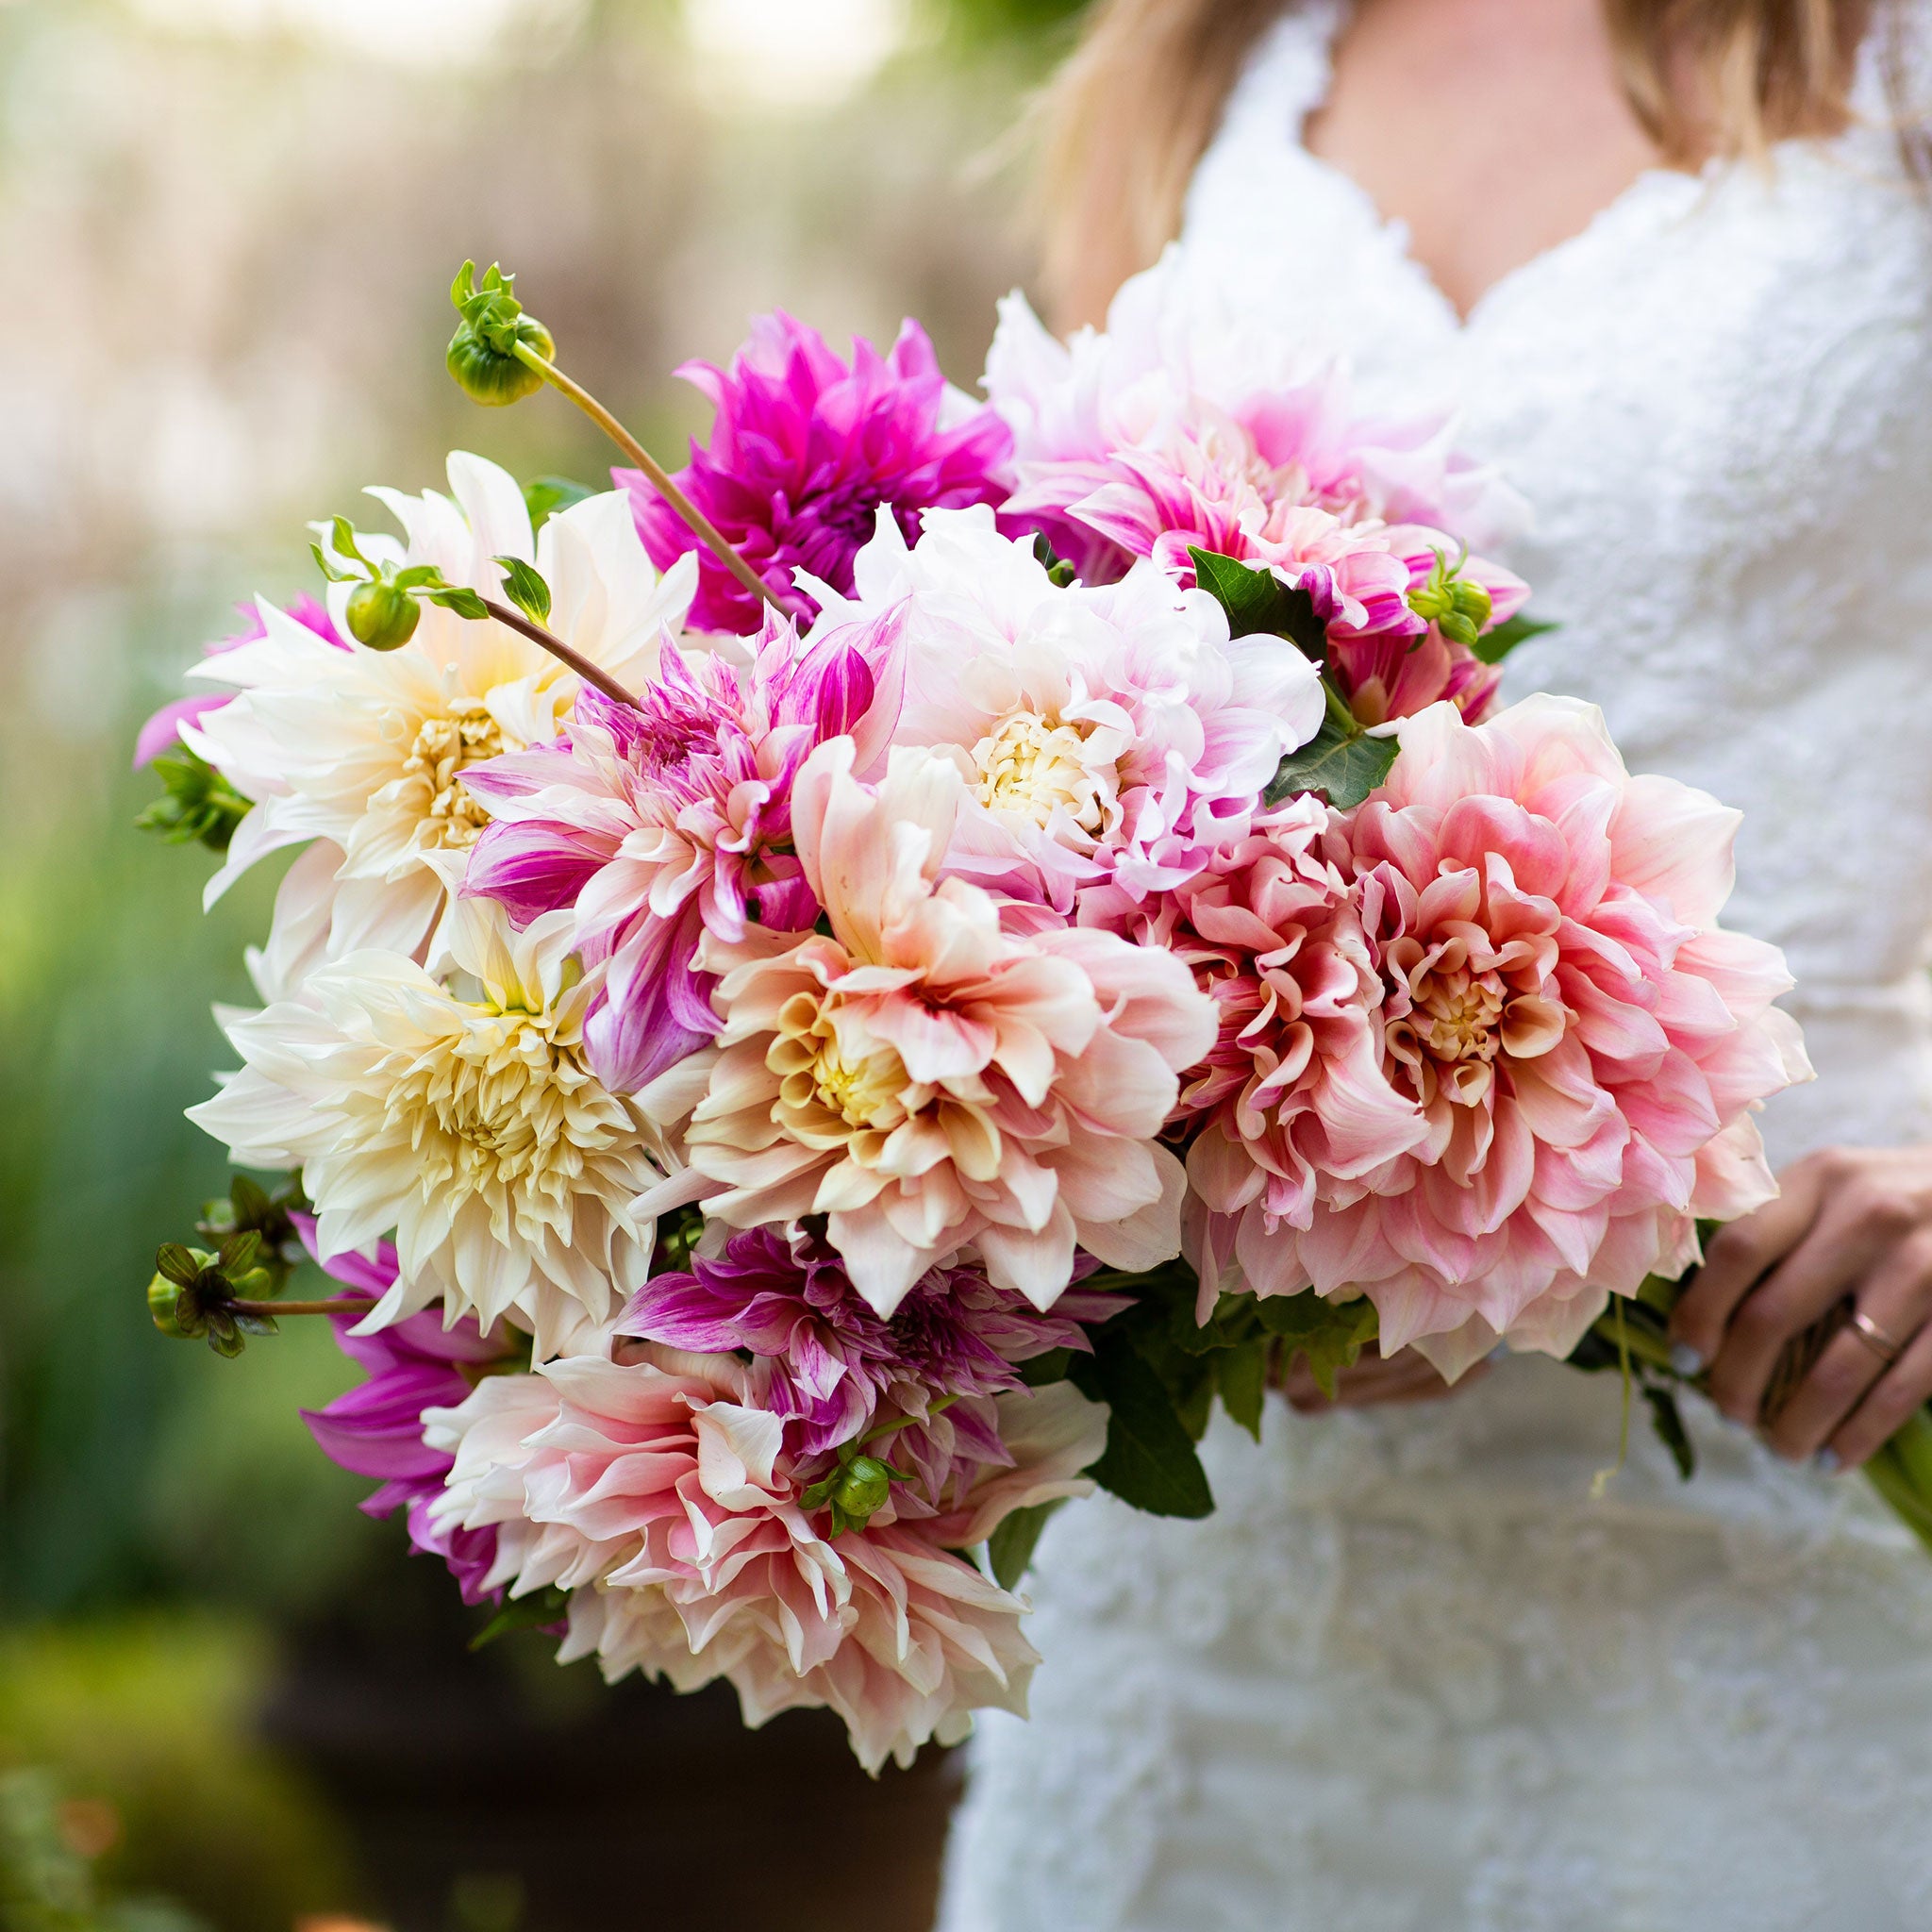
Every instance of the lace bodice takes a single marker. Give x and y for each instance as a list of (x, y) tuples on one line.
[(1410, 1675)]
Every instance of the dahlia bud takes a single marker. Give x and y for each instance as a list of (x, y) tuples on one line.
[(483, 352), (863, 1490), (192, 1293), (382, 615), (1459, 609)]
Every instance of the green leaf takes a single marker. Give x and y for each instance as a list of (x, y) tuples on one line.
[(546, 496), (547, 1605), (1492, 646), (258, 1324), (1243, 1373), (526, 589), (465, 603), (177, 1263), (198, 804), (1149, 1461), (1666, 1419), (1341, 761), (1329, 1334), (1039, 1370), (1257, 602), (1010, 1548)]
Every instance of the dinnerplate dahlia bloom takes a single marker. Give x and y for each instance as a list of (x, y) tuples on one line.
[(659, 1490), (367, 749), (376, 1428), (804, 451), (1175, 358), (834, 1360), (1109, 736), (1584, 1045), (460, 1112), (1293, 1096), (673, 818), (926, 1079)]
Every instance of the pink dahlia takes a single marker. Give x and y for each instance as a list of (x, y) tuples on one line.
[(1291, 1097), (664, 823), (1212, 488), (1585, 1046), (376, 1428), (164, 727), (658, 1491), (927, 1080), (834, 1360), (804, 451)]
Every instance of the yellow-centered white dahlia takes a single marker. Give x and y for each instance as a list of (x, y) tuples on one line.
[(460, 1112), (367, 749), (929, 1080)]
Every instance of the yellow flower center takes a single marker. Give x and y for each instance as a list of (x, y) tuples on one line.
[(824, 1064), (1030, 765), (444, 747), (1455, 1015)]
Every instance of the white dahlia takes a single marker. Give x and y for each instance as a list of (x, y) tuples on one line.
[(366, 749), (461, 1113)]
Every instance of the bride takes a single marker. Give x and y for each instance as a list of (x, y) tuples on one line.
[(1671, 261)]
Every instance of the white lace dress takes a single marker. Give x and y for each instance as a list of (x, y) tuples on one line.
[(1409, 1676)]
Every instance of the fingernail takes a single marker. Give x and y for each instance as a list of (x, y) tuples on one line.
[(1686, 1361), (1827, 1462)]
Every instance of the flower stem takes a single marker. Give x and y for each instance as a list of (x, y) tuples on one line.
[(342, 1304), (654, 474), (507, 614)]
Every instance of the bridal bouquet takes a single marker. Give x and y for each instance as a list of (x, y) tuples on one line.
[(831, 1001)]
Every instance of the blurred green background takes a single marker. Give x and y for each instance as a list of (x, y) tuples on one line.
[(230, 226)]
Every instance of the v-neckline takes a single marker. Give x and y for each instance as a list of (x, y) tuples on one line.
[(1325, 23)]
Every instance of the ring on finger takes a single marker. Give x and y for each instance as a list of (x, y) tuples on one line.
[(1888, 1348)]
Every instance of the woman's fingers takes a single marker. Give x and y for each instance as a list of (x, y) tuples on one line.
[(1896, 1297), (1888, 1407), (1737, 1256)]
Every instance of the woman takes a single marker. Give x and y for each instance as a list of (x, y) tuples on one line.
[(1669, 260)]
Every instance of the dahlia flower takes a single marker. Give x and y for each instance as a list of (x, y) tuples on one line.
[(1210, 488), (834, 1360), (1173, 357), (461, 1113), (367, 750), (1111, 735), (669, 821), (658, 1490), (804, 451), (926, 1079), (1291, 1096), (164, 727), (376, 1428), (1585, 1044)]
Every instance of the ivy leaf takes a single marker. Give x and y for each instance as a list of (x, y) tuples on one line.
[(533, 1612), (1492, 646), (1330, 1335), (1149, 1460), (526, 589), (1666, 1419), (1010, 1548), (1244, 1383), (1341, 761), (1257, 602)]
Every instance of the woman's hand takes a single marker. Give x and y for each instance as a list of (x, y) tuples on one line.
[(1852, 1222), (1404, 1377)]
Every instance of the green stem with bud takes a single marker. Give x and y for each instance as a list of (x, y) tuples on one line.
[(549, 640), (654, 474)]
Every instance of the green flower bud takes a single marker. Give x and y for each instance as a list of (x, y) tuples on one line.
[(176, 1310), (382, 615), (863, 1490), (482, 354)]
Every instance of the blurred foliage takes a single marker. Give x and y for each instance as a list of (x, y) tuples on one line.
[(1013, 21), (133, 1741)]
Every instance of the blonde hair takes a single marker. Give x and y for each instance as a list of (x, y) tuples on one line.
[(1136, 103)]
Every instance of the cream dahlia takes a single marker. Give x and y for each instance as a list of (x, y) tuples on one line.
[(1111, 736), (367, 749), (658, 1491), (926, 1079), (460, 1112)]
